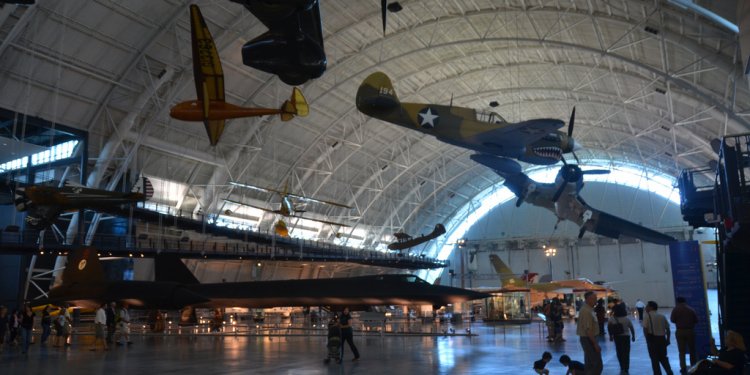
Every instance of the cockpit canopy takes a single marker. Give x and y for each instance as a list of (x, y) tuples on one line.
[(490, 117)]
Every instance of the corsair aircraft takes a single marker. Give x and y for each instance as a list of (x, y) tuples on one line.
[(210, 106), (563, 199), (535, 141)]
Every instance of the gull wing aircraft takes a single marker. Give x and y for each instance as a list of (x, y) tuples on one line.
[(563, 199), (84, 285), (44, 204), (535, 141), (405, 241), (210, 107), (292, 205)]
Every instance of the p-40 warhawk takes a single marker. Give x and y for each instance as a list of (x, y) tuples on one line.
[(84, 285), (209, 86), (291, 206), (535, 141), (563, 199), (44, 204)]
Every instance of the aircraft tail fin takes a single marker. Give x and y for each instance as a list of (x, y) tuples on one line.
[(376, 93), (507, 276), (169, 267), (144, 187), (83, 268), (295, 106)]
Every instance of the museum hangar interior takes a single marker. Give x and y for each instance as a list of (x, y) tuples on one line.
[(469, 128)]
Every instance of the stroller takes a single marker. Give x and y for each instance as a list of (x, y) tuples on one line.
[(334, 341)]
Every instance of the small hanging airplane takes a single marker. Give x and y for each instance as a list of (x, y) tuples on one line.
[(563, 199), (210, 106), (289, 207), (44, 204), (405, 241), (535, 141)]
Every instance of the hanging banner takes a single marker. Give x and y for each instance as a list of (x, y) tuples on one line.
[(689, 282)]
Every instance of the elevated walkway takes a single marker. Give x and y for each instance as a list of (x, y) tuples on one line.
[(223, 243)]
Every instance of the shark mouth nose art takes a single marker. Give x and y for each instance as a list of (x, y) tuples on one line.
[(548, 152)]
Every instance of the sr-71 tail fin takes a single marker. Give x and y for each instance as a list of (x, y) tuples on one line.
[(83, 268)]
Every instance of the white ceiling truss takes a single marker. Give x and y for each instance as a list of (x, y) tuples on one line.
[(652, 84)]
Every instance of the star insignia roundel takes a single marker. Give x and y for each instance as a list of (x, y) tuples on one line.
[(428, 118)]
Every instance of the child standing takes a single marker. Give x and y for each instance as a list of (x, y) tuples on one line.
[(334, 341)]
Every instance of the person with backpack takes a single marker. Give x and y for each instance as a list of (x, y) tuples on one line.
[(622, 332)]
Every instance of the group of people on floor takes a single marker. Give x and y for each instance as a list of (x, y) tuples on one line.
[(114, 321), (17, 328), (656, 330)]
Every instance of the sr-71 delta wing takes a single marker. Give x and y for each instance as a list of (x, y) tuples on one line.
[(563, 199), (210, 107), (535, 141), (84, 285)]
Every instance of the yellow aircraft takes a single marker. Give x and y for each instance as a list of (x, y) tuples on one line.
[(210, 106), (510, 281), (289, 207), (535, 141)]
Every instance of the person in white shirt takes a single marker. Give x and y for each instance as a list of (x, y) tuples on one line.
[(640, 306), (587, 330), (100, 323), (123, 325), (657, 333)]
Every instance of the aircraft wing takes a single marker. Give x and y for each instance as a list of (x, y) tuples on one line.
[(253, 206), (517, 136), (331, 203), (612, 226), (209, 77), (519, 183), (321, 221)]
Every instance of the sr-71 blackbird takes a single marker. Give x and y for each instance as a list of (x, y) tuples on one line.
[(84, 285), (44, 204), (535, 141), (210, 107), (563, 199)]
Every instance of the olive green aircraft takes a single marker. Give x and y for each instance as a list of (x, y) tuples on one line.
[(536, 141)]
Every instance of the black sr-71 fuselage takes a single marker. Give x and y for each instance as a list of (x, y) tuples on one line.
[(175, 287)]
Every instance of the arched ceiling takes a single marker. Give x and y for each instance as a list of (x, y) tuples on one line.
[(114, 68)]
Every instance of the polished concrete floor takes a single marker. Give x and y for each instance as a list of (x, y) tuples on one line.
[(494, 350)]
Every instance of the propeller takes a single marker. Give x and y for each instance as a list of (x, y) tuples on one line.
[(571, 123), (383, 12), (572, 173)]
